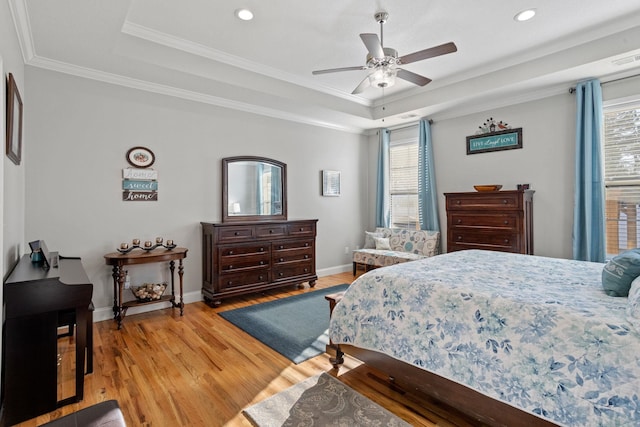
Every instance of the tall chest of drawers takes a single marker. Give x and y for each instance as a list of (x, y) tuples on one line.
[(240, 258), (496, 220)]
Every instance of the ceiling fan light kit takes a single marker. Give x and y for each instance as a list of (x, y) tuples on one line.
[(383, 62)]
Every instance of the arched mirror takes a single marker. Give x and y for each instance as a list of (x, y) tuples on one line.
[(253, 189)]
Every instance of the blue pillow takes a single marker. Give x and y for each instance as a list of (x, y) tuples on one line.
[(619, 272)]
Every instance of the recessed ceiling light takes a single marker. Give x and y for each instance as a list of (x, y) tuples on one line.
[(244, 14), (525, 15)]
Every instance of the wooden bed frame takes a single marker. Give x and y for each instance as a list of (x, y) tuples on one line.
[(410, 378)]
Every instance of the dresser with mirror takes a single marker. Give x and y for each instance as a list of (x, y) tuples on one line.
[(255, 247)]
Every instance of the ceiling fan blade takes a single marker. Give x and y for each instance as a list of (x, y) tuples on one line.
[(364, 84), (412, 77), (443, 49), (372, 42), (335, 70)]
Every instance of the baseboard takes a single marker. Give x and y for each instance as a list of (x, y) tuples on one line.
[(106, 313), (334, 270)]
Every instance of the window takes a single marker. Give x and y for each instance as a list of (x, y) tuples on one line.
[(622, 175), (403, 182)]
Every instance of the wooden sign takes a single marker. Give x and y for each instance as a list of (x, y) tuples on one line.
[(133, 173), (128, 184), (139, 196), (496, 141)]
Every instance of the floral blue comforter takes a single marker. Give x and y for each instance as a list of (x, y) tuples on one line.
[(537, 333)]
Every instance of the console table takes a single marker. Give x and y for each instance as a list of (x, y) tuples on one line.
[(119, 260)]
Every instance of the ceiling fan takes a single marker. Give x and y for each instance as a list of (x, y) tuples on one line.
[(384, 61)]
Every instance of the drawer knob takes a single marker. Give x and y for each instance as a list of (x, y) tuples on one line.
[(280, 247), (458, 202), (459, 221), (231, 267), (237, 233), (306, 245), (306, 257), (506, 240), (280, 274), (301, 229), (505, 201), (230, 252), (459, 237), (306, 270), (261, 262), (229, 283), (506, 222), (281, 259), (261, 249), (260, 277), (270, 231)]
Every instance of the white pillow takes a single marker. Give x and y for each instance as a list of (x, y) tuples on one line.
[(369, 243), (382, 243), (633, 305)]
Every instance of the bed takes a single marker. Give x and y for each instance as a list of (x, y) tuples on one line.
[(510, 339)]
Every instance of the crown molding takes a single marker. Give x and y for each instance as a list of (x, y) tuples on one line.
[(20, 17), (92, 74), (193, 48)]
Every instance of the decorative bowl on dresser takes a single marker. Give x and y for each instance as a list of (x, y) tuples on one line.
[(491, 220)]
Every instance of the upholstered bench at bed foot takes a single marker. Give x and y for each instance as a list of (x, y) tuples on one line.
[(104, 414)]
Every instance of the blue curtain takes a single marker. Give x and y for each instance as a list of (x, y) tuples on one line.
[(588, 214), (383, 213), (427, 195)]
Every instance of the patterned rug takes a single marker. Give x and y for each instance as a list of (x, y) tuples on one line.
[(318, 401)]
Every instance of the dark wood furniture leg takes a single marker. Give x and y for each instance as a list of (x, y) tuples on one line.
[(333, 348)]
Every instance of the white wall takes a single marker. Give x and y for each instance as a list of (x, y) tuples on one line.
[(81, 129), (546, 162), (12, 184)]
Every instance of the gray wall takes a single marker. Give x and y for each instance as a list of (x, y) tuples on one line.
[(546, 162), (81, 129)]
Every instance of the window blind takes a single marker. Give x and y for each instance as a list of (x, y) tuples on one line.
[(622, 175), (403, 183)]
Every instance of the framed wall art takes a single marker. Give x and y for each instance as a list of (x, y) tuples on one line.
[(495, 141), (14, 121), (330, 183), (140, 157)]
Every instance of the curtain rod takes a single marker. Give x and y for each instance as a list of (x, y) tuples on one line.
[(573, 89), (400, 127)]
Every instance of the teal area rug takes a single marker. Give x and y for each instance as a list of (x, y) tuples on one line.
[(320, 401), (295, 327)]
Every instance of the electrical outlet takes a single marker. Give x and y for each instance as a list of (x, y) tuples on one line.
[(346, 249)]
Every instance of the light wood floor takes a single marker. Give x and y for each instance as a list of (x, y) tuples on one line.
[(200, 370)]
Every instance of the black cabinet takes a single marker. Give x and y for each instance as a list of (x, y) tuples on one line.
[(33, 298)]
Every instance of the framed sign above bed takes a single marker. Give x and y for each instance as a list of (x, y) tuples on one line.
[(495, 141)]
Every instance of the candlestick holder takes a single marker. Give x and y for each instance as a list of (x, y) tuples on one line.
[(126, 248)]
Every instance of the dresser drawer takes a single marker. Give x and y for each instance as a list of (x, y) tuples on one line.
[(235, 233), (274, 230), (243, 280), (229, 251), (479, 201), (292, 255), (289, 245), (497, 240), (244, 262), (302, 229), (509, 221), (288, 271)]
